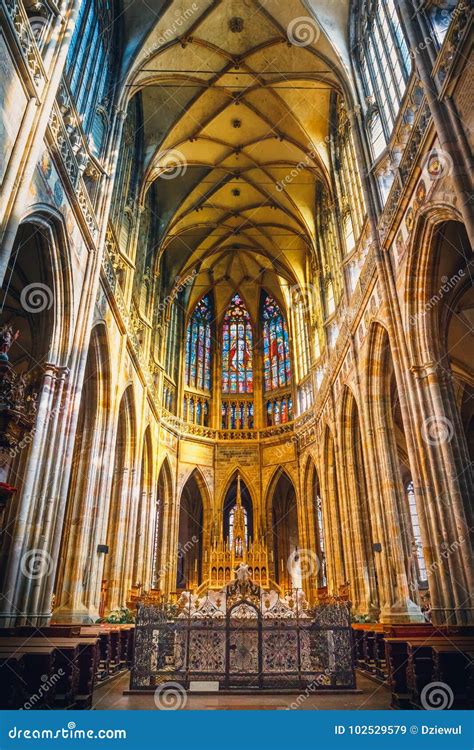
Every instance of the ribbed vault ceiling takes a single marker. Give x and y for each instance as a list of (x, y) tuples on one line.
[(236, 118)]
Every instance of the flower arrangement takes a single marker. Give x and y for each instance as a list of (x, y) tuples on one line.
[(121, 616)]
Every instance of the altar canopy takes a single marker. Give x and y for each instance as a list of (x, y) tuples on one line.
[(244, 636)]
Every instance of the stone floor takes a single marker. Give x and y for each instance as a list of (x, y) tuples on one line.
[(371, 695)]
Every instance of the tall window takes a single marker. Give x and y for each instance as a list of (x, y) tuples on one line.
[(237, 355), (89, 58), (301, 339), (276, 350), (416, 538), (172, 340), (349, 187), (198, 346), (127, 173), (385, 63), (321, 546)]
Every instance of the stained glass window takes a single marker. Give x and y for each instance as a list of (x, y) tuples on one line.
[(198, 346), (276, 350), (237, 355), (279, 411)]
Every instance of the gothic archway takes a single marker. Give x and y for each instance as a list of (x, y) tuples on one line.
[(118, 568), (161, 565), (284, 531), (85, 500), (190, 535), (230, 500), (358, 534)]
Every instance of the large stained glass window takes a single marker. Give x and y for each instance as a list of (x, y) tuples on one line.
[(276, 350), (237, 356), (198, 346)]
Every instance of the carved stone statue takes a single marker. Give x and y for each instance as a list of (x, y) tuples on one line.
[(7, 337)]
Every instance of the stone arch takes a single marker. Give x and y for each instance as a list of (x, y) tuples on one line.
[(38, 302), (393, 517), (283, 528), (420, 276), (353, 460), (78, 550), (313, 517), (201, 481), (336, 559), (162, 520), (44, 226), (143, 552), (192, 527), (118, 568)]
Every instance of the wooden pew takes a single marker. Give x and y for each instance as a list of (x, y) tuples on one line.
[(13, 693), (75, 666), (38, 663), (414, 662), (370, 650)]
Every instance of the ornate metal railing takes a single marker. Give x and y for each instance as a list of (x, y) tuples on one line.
[(244, 637)]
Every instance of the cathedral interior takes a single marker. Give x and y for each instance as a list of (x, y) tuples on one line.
[(237, 315)]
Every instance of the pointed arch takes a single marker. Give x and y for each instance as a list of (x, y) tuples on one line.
[(423, 274), (315, 519), (229, 502), (283, 530), (144, 517), (336, 562), (353, 461), (81, 528), (194, 512), (161, 524), (118, 569)]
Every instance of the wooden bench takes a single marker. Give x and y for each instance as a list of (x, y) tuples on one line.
[(38, 667), (75, 661), (370, 650), (414, 662)]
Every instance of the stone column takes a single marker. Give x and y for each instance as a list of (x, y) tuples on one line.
[(383, 474), (447, 493), (28, 558)]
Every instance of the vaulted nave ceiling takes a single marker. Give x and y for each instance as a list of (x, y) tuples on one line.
[(236, 107)]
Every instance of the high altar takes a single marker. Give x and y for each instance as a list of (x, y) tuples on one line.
[(226, 555)]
